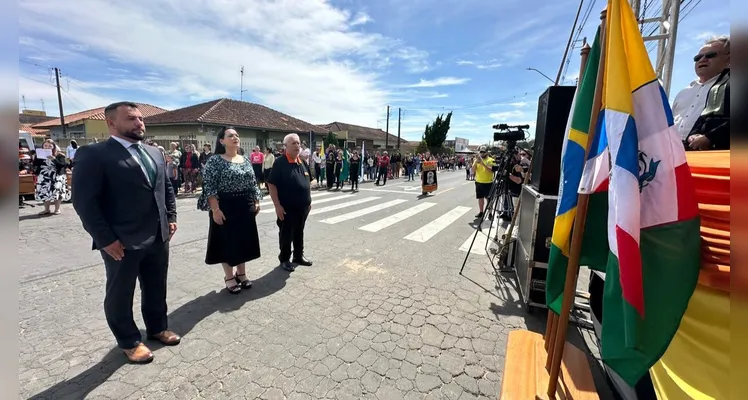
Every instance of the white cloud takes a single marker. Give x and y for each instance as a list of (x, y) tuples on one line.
[(465, 62), (444, 81), (361, 18), (302, 58), (491, 64), (506, 115)]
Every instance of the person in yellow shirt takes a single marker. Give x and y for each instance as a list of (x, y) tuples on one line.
[(483, 170)]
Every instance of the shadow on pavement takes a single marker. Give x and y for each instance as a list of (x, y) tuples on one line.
[(182, 321)]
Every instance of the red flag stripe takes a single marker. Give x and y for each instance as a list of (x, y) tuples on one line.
[(630, 267), (688, 207)]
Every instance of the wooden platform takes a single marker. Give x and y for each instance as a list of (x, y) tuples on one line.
[(525, 376)]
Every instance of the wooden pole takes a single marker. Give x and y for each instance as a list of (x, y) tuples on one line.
[(550, 326), (572, 269)]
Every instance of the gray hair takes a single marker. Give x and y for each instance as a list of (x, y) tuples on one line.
[(724, 39), (289, 137)]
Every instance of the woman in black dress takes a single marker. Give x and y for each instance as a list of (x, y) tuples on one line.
[(232, 197), (355, 163), (338, 169), (330, 166)]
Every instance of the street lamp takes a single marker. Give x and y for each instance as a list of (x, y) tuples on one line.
[(544, 75)]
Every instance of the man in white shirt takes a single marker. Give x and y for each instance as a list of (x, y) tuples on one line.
[(711, 60)]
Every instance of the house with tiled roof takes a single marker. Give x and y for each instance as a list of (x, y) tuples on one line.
[(372, 138), (89, 124), (256, 124)]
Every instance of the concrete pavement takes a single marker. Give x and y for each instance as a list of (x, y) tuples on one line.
[(382, 313)]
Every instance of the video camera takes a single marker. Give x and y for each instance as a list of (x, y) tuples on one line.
[(510, 133)]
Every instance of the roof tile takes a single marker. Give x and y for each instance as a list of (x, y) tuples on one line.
[(98, 114), (235, 113), (363, 132)]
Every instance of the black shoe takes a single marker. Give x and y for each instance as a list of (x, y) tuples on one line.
[(287, 266), (302, 261), (245, 284), (505, 217), (233, 289), (479, 215)]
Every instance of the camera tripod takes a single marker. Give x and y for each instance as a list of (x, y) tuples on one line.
[(499, 190)]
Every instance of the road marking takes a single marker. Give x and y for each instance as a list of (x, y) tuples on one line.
[(432, 228), (314, 195), (395, 218), (329, 199), (342, 205), (479, 247), (362, 212)]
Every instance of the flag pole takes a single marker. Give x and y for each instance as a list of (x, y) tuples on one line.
[(550, 326), (572, 269)]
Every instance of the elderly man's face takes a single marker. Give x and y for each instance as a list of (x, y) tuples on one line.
[(711, 60), (293, 146)]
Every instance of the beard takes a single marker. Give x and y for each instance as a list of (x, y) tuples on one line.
[(137, 136)]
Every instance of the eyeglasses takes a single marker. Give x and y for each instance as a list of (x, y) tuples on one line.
[(708, 56)]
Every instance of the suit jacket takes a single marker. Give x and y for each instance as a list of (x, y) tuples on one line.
[(115, 200)]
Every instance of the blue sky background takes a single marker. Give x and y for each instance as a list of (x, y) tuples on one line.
[(323, 61)]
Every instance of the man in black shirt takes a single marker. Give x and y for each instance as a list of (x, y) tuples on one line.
[(514, 185), (289, 185)]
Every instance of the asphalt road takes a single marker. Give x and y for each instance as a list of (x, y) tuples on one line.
[(382, 314)]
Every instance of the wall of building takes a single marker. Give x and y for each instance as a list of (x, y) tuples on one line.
[(96, 129)]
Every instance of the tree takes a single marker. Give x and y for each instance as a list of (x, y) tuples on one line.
[(331, 138), (422, 147), (435, 134)]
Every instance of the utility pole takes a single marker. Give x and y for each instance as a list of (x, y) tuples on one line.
[(59, 103), (387, 129), (241, 85), (23, 99), (43, 109), (399, 113)]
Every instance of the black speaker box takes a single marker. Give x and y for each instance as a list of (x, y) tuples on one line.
[(554, 107)]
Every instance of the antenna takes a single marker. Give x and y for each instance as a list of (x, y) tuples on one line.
[(42, 100), (23, 100), (241, 87)]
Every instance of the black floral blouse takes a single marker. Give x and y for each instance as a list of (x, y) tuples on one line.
[(223, 176)]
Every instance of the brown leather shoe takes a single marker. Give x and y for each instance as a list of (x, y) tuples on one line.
[(139, 354), (167, 338)]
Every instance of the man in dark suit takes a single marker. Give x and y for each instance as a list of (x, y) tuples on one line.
[(127, 205)]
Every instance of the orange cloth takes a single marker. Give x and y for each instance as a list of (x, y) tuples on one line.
[(711, 173)]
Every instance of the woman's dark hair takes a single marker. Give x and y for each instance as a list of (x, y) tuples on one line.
[(73, 144), (220, 148)]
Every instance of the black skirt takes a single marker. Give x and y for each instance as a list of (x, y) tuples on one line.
[(237, 240)]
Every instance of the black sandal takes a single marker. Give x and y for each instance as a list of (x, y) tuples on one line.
[(246, 284), (232, 289)]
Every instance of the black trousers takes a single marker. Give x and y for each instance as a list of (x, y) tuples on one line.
[(318, 173), (149, 266), (382, 173), (292, 233), (354, 179), (330, 172)]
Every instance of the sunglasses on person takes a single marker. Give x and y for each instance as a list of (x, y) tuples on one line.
[(708, 56)]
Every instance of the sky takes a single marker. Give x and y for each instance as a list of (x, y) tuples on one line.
[(324, 60)]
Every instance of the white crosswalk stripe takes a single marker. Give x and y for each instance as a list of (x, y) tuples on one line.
[(316, 211), (314, 195), (364, 211), (395, 218), (327, 200), (432, 228)]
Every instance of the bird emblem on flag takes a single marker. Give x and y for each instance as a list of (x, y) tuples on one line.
[(646, 172)]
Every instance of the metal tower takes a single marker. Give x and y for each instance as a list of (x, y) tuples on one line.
[(658, 20)]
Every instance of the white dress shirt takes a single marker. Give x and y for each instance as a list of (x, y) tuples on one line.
[(130, 147), (689, 104)]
